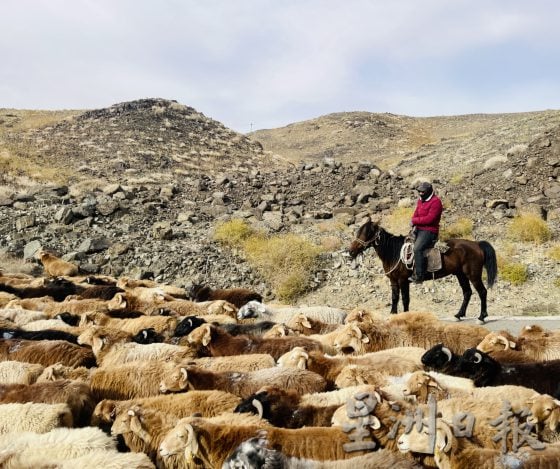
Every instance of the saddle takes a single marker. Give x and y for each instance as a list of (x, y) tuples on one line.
[(433, 255)]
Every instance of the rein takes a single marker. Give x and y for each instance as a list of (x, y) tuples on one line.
[(406, 254)]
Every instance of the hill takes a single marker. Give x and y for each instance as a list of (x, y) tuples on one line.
[(138, 189)]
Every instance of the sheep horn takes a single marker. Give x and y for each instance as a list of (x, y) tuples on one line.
[(448, 353), (447, 442), (477, 357), (258, 405), (501, 339), (374, 422)]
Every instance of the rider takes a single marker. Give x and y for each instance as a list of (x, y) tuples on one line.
[(425, 221)]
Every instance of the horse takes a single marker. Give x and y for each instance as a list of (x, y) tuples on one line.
[(465, 259)]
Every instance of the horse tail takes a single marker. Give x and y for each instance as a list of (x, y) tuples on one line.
[(490, 262)]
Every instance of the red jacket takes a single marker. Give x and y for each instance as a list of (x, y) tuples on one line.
[(428, 214)]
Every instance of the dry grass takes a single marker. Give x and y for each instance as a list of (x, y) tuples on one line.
[(554, 252), (398, 221), (462, 228), (233, 233), (529, 227), (515, 273), (15, 265)]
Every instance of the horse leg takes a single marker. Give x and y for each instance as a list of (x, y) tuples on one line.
[(467, 292), (394, 296), (481, 290), (405, 294)]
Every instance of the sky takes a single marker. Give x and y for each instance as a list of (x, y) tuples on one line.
[(256, 64)]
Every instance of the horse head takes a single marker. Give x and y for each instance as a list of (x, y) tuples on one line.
[(365, 237)]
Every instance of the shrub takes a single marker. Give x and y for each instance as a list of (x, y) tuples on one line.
[(462, 228), (456, 179), (554, 252), (529, 227), (515, 273), (286, 262), (557, 282), (233, 233)]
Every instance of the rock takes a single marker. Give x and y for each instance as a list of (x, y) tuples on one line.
[(91, 245), (31, 249), (27, 221), (107, 208), (112, 189), (64, 215), (162, 230)]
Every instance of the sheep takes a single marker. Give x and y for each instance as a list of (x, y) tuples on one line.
[(191, 308), (108, 335), (363, 315), (248, 362), (545, 415), (48, 334), (34, 417), (128, 283), (255, 309), (212, 443), (46, 352), (143, 430), (236, 296), (150, 306), (107, 460), (76, 394), (128, 381), (213, 341), (121, 353), (485, 371), (55, 266), (30, 304), (282, 408), (52, 324), (254, 452), (57, 290), (21, 316), (307, 326), (502, 347), (60, 371), (539, 344), (161, 324), (148, 336), (242, 384), (278, 330), (14, 372), (60, 444), (361, 338), (75, 306), (206, 403), (189, 323), (329, 367)]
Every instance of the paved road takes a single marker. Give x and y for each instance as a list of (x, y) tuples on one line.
[(515, 323)]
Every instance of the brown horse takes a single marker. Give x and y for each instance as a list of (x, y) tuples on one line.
[(465, 259)]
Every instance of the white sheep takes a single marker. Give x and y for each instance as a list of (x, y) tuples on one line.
[(326, 314), (13, 372), (21, 316), (39, 418)]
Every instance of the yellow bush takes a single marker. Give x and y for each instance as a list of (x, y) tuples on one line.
[(557, 282), (513, 272), (233, 233), (331, 243), (286, 262), (529, 227), (554, 252), (462, 228), (456, 179)]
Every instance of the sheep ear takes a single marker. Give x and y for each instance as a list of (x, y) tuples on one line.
[(207, 337), (554, 419), (357, 330), (302, 363), (306, 323), (191, 447), (184, 374), (365, 339)]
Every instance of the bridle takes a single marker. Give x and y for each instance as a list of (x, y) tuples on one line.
[(374, 240)]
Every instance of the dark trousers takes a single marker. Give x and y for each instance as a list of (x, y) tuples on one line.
[(424, 239)]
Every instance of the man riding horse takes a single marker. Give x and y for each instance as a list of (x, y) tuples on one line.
[(425, 221)]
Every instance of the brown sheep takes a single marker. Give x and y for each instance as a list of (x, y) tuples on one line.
[(213, 341), (60, 371), (236, 296), (120, 353), (305, 325), (536, 345), (206, 403), (161, 324), (55, 266), (129, 283), (75, 394), (46, 352), (212, 443), (242, 384)]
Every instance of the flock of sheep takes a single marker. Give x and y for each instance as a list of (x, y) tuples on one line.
[(122, 373)]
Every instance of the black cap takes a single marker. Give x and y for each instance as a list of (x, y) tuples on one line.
[(423, 187)]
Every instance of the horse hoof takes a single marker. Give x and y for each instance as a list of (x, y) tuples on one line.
[(480, 320), (458, 317)]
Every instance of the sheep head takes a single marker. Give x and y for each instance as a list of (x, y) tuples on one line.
[(437, 357), (295, 358), (201, 335), (182, 438), (534, 331), (419, 442), (299, 323), (53, 372), (105, 412), (356, 375), (544, 410), (278, 330), (118, 302), (419, 384), (222, 307), (126, 420), (251, 309), (176, 381), (350, 337), (495, 342)]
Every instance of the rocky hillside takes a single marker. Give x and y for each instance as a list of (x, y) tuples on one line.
[(142, 185)]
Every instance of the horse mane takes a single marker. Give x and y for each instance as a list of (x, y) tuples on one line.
[(389, 245)]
